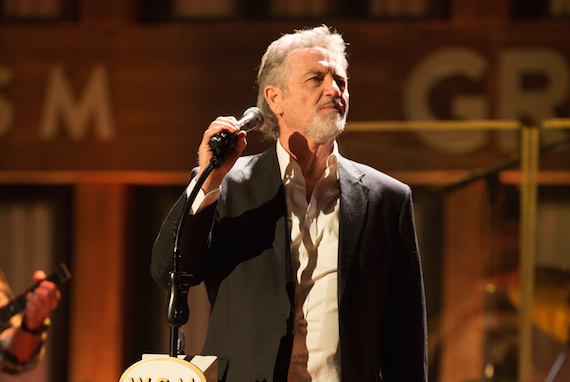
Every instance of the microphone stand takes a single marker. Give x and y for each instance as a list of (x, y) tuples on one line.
[(178, 311)]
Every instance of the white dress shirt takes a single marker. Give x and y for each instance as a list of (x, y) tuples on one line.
[(314, 227)]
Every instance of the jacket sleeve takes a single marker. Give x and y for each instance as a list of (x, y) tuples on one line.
[(405, 321), (193, 243)]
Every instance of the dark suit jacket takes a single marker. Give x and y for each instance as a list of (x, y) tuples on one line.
[(240, 248)]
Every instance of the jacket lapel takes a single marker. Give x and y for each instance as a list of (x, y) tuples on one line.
[(353, 205)]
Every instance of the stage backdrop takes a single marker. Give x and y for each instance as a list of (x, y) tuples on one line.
[(139, 97)]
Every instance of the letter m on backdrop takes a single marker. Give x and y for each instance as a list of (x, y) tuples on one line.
[(62, 109)]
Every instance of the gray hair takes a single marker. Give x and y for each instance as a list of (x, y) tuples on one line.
[(274, 71)]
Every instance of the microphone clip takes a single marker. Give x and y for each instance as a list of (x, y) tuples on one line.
[(219, 143)]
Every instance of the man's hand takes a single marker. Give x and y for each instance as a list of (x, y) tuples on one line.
[(41, 301), (232, 153)]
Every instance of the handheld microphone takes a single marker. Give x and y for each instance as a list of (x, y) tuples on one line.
[(252, 118)]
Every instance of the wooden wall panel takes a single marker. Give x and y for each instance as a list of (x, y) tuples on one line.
[(166, 83)]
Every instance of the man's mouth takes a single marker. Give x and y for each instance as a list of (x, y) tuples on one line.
[(333, 106)]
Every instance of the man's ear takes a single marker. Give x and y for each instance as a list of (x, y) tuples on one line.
[(273, 96)]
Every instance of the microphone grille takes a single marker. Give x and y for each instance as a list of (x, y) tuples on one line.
[(256, 113)]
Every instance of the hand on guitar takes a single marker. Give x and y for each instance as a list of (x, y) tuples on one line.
[(40, 302), (35, 304)]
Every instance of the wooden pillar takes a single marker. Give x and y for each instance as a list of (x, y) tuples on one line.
[(99, 259), (466, 248)]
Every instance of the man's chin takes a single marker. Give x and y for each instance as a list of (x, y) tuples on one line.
[(330, 112), (326, 126), (326, 135)]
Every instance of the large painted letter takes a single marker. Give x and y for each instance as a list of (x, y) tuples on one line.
[(431, 71), (93, 106), (531, 104), (534, 103)]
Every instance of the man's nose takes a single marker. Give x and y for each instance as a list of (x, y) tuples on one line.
[(332, 89)]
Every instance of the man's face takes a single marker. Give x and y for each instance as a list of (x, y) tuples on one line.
[(315, 98)]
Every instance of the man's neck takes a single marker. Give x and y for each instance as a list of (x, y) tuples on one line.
[(312, 157)]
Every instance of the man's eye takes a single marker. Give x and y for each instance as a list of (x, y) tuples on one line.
[(316, 79)]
